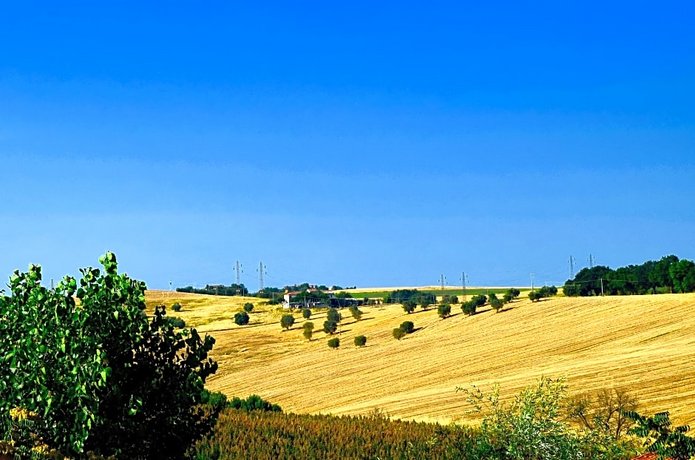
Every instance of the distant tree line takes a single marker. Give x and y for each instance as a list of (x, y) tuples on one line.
[(410, 295), (217, 289), (670, 274)]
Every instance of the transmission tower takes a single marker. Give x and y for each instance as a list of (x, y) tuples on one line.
[(261, 273), (591, 261), (238, 270), (463, 285), (571, 267), (442, 280)]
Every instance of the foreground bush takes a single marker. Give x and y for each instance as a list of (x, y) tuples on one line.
[(100, 376)]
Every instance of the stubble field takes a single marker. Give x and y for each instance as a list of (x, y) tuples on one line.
[(643, 343)]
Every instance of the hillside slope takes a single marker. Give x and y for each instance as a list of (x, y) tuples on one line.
[(643, 343)]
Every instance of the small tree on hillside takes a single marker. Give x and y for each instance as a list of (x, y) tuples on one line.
[(495, 303), (248, 307), (409, 306), (424, 304), (356, 313), (334, 342), (308, 330), (287, 321), (306, 313), (444, 310), (333, 315), (469, 307), (176, 307), (329, 327), (241, 318), (398, 333), (408, 327), (360, 341)]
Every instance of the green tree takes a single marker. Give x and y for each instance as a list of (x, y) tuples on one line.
[(306, 313), (360, 341), (248, 307), (287, 321), (661, 437), (408, 327), (409, 306), (308, 330), (495, 303), (398, 333), (176, 307), (444, 310), (356, 312), (118, 384), (333, 315), (241, 318), (334, 342), (683, 275), (329, 327)]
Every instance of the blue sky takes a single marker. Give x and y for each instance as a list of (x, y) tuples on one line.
[(356, 144)]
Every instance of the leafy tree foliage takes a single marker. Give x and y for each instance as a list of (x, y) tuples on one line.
[(670, 274), (356, 312), (308, 330), (241, 318), (253, 403), (334, 342), (398, 333), (248, 307), (100, 376), (444, 310), (470, 307), (408, 327), (176, 307), (175, 321), (409, 306), (495, 303), (403, 295), (360, 341), (287, 321), (333, 315), (217, 289), (661, 437), (329, 327), (306, 313), (448, 298), (603, 411)]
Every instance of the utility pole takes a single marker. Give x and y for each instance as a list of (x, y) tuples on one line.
[(531, 282), (463, 285), (238, 269), (442, 280), (571, 267)]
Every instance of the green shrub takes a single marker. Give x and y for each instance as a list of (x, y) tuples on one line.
[(308, 330), (408, 327), (444, 310), (306, 313), (287, 321), (409, 306), (495, 303), (176, 307), (241, 318), (329, 327), (175, 321), (253, 403), (356, 313), (398, 333), (333, 315), (248, 307), (469, 308), (334, 342), (360, 341)]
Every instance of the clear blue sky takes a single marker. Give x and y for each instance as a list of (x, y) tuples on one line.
[(366, 143)]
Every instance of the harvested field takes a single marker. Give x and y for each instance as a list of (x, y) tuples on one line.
[(643, 343)]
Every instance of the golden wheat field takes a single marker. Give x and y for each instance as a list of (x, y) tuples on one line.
[(643, 343)]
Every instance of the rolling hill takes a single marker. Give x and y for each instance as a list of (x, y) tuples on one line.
[(642, 343)]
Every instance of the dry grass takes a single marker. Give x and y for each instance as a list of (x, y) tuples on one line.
[(643, 343)]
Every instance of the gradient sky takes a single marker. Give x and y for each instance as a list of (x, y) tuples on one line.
[(366, 143)]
